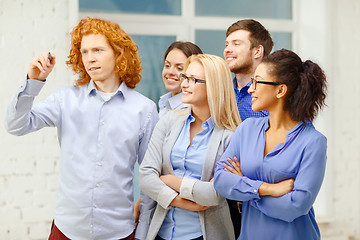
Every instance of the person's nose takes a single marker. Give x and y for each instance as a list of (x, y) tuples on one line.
[(185, 83), (90, 57), (171, 71), (251, 89), (227, 49)]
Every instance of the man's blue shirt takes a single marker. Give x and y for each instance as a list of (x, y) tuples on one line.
[(243, 101)]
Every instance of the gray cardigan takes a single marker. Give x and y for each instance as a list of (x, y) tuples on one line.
[(215, 221)]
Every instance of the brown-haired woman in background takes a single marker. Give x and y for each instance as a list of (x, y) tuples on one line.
[(174, 64)]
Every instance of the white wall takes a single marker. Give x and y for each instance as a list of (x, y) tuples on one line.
[(28, 165), (344, 107), (311, 41), (328, 33)]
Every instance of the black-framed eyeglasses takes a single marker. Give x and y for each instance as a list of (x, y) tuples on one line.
[(193, 80), (254, 82)]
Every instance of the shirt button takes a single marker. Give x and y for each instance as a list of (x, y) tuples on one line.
[(99, 164), (101, 143), (255, 191), (91, 226), (97, 185), (102, 123), (91, 231)]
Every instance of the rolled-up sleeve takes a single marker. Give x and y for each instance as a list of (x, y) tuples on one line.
[(201, 192), (186, 188)]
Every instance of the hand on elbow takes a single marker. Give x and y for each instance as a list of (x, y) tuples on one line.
[(276, 189), (187, 204)]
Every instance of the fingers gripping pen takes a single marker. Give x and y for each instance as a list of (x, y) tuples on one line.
[(50, 57)]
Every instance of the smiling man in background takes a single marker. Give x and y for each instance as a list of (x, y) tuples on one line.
[(247, 43)]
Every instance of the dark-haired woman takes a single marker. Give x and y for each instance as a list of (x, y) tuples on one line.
[(276, 164)]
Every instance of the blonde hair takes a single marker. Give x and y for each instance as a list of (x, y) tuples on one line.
[(220, 90)]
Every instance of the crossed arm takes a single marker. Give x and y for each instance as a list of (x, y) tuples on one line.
[(285, 200), (266, 189), (174, 182), (157, 181)]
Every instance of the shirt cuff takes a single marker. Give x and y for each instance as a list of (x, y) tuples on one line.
[(33, 87), (166, 196), (186, 188), (256, 187)]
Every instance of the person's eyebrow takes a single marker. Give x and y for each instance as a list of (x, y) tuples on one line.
[(258, 76)]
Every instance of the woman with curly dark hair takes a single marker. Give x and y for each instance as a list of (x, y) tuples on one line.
[(103, 127), (276, 164)]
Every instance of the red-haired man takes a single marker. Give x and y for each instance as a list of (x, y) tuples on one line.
[(103, 127)]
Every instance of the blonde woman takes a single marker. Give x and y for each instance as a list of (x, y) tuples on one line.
[(178, 166)]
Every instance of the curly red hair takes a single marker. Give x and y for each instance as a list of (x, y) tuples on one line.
[(128, 64)]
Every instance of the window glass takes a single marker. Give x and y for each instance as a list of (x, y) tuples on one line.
[(281, 40), (163, 7), (211, 41), (276, 9), (151, 51)]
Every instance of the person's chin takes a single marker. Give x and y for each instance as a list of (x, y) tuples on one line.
[(185, 100), (233, 66), (255, 108), (95, 79), (171, 89)]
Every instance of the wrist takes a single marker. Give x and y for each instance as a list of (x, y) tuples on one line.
[(175, 202), (264, 189), (165, 179), (28, 77)]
